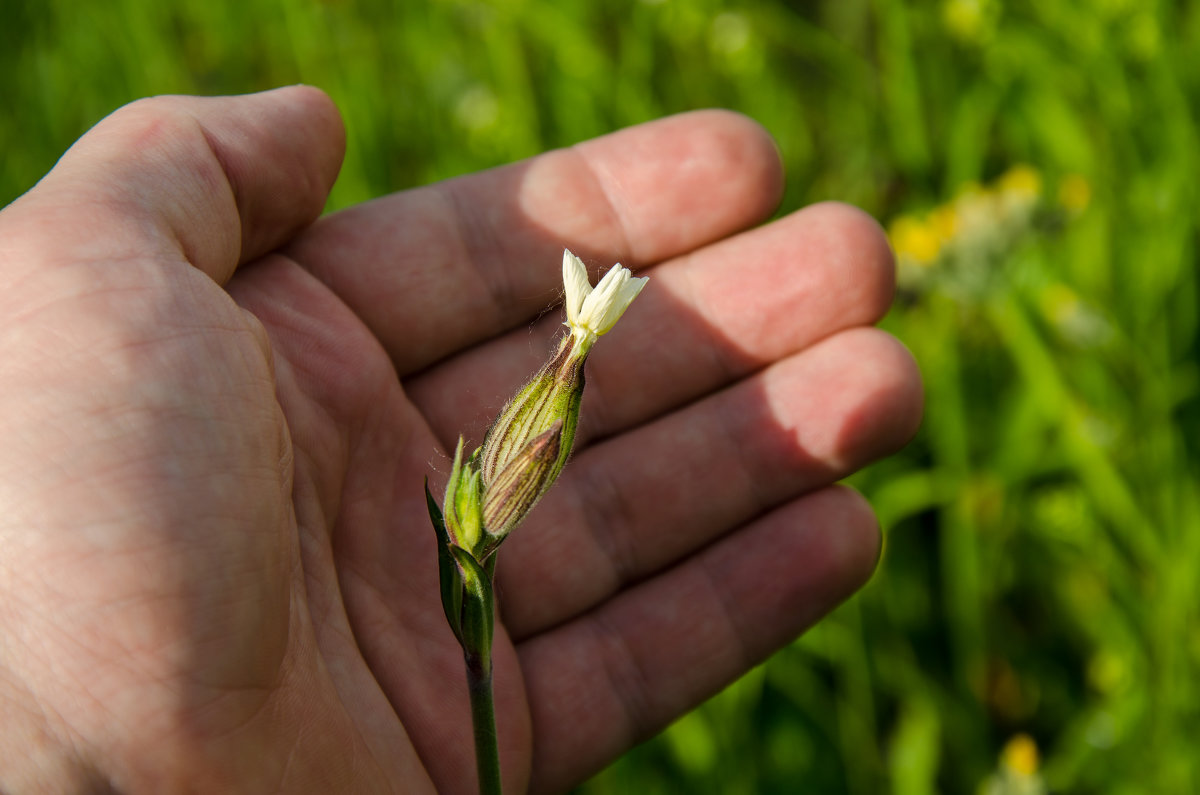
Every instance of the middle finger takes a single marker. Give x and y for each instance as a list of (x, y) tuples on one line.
[(705, 320)]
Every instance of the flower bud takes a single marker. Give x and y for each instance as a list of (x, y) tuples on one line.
[(462, 506), (522, 482), (550, 400), (525, 449)]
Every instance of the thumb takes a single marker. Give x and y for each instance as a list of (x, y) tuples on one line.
[(211, 181)]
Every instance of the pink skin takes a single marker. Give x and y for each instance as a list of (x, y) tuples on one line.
[(217, 569)]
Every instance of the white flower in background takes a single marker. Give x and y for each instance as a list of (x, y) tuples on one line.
[(592, 312)]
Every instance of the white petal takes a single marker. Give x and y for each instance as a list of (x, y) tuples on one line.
[(576, 284), (629, 289), (594, 307), (612, 296)]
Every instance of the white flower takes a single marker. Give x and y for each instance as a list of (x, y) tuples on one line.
[(592, 312)]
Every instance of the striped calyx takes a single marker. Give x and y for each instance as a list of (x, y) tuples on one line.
[(522, 482)]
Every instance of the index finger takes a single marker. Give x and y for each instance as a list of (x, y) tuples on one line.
[(439, 268)]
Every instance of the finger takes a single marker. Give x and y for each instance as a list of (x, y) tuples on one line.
[(216, 180), (440, 268), (704, 320), (664, 646), (641, 501)]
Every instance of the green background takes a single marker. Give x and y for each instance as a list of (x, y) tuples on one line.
[(1043, 531)]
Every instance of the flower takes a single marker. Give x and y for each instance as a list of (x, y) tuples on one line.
[(528, 445), (591, 313), (491, 491)]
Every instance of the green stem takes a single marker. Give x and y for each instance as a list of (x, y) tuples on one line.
[(483, 716)]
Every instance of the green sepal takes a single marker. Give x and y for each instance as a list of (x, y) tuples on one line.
[(463, 503), (478, 614), (449, 574)]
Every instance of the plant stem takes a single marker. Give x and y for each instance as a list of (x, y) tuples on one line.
[(483, 717)]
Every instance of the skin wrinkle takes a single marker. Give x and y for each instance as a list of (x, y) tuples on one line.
[(231, 190), (751, 484), (162, 120), (477, 242), (52, 717), (728, 363), (734, 628), (295, 327), (312, 591), (626, 676), (432, 632), (610, 188), (601, 505), (49, 725), (27, 310)]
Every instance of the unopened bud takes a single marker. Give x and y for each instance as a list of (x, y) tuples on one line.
[(462, 507), (550, 400), (522, 482)]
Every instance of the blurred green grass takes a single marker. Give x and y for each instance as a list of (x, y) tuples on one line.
[(1043, 531)]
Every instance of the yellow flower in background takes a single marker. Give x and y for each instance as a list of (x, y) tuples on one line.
[(914, 240), (1017, 772), (1017, 192), (960, 242), (944, 222), (1020, 180), (1020, 755)]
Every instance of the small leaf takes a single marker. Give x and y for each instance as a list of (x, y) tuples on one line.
[(449, 575)]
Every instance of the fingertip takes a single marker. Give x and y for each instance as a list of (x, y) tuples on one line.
[(281, 150), (744, 141), (325, 120), (910, 393), (855, 540), (892, 398), (682, 181), (856, 249)]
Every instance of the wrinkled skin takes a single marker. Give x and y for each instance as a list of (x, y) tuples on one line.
[(217, 571)]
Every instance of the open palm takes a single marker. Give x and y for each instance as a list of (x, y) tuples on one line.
[(218, 571)]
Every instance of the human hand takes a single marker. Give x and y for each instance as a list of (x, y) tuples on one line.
[(216, 565)]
